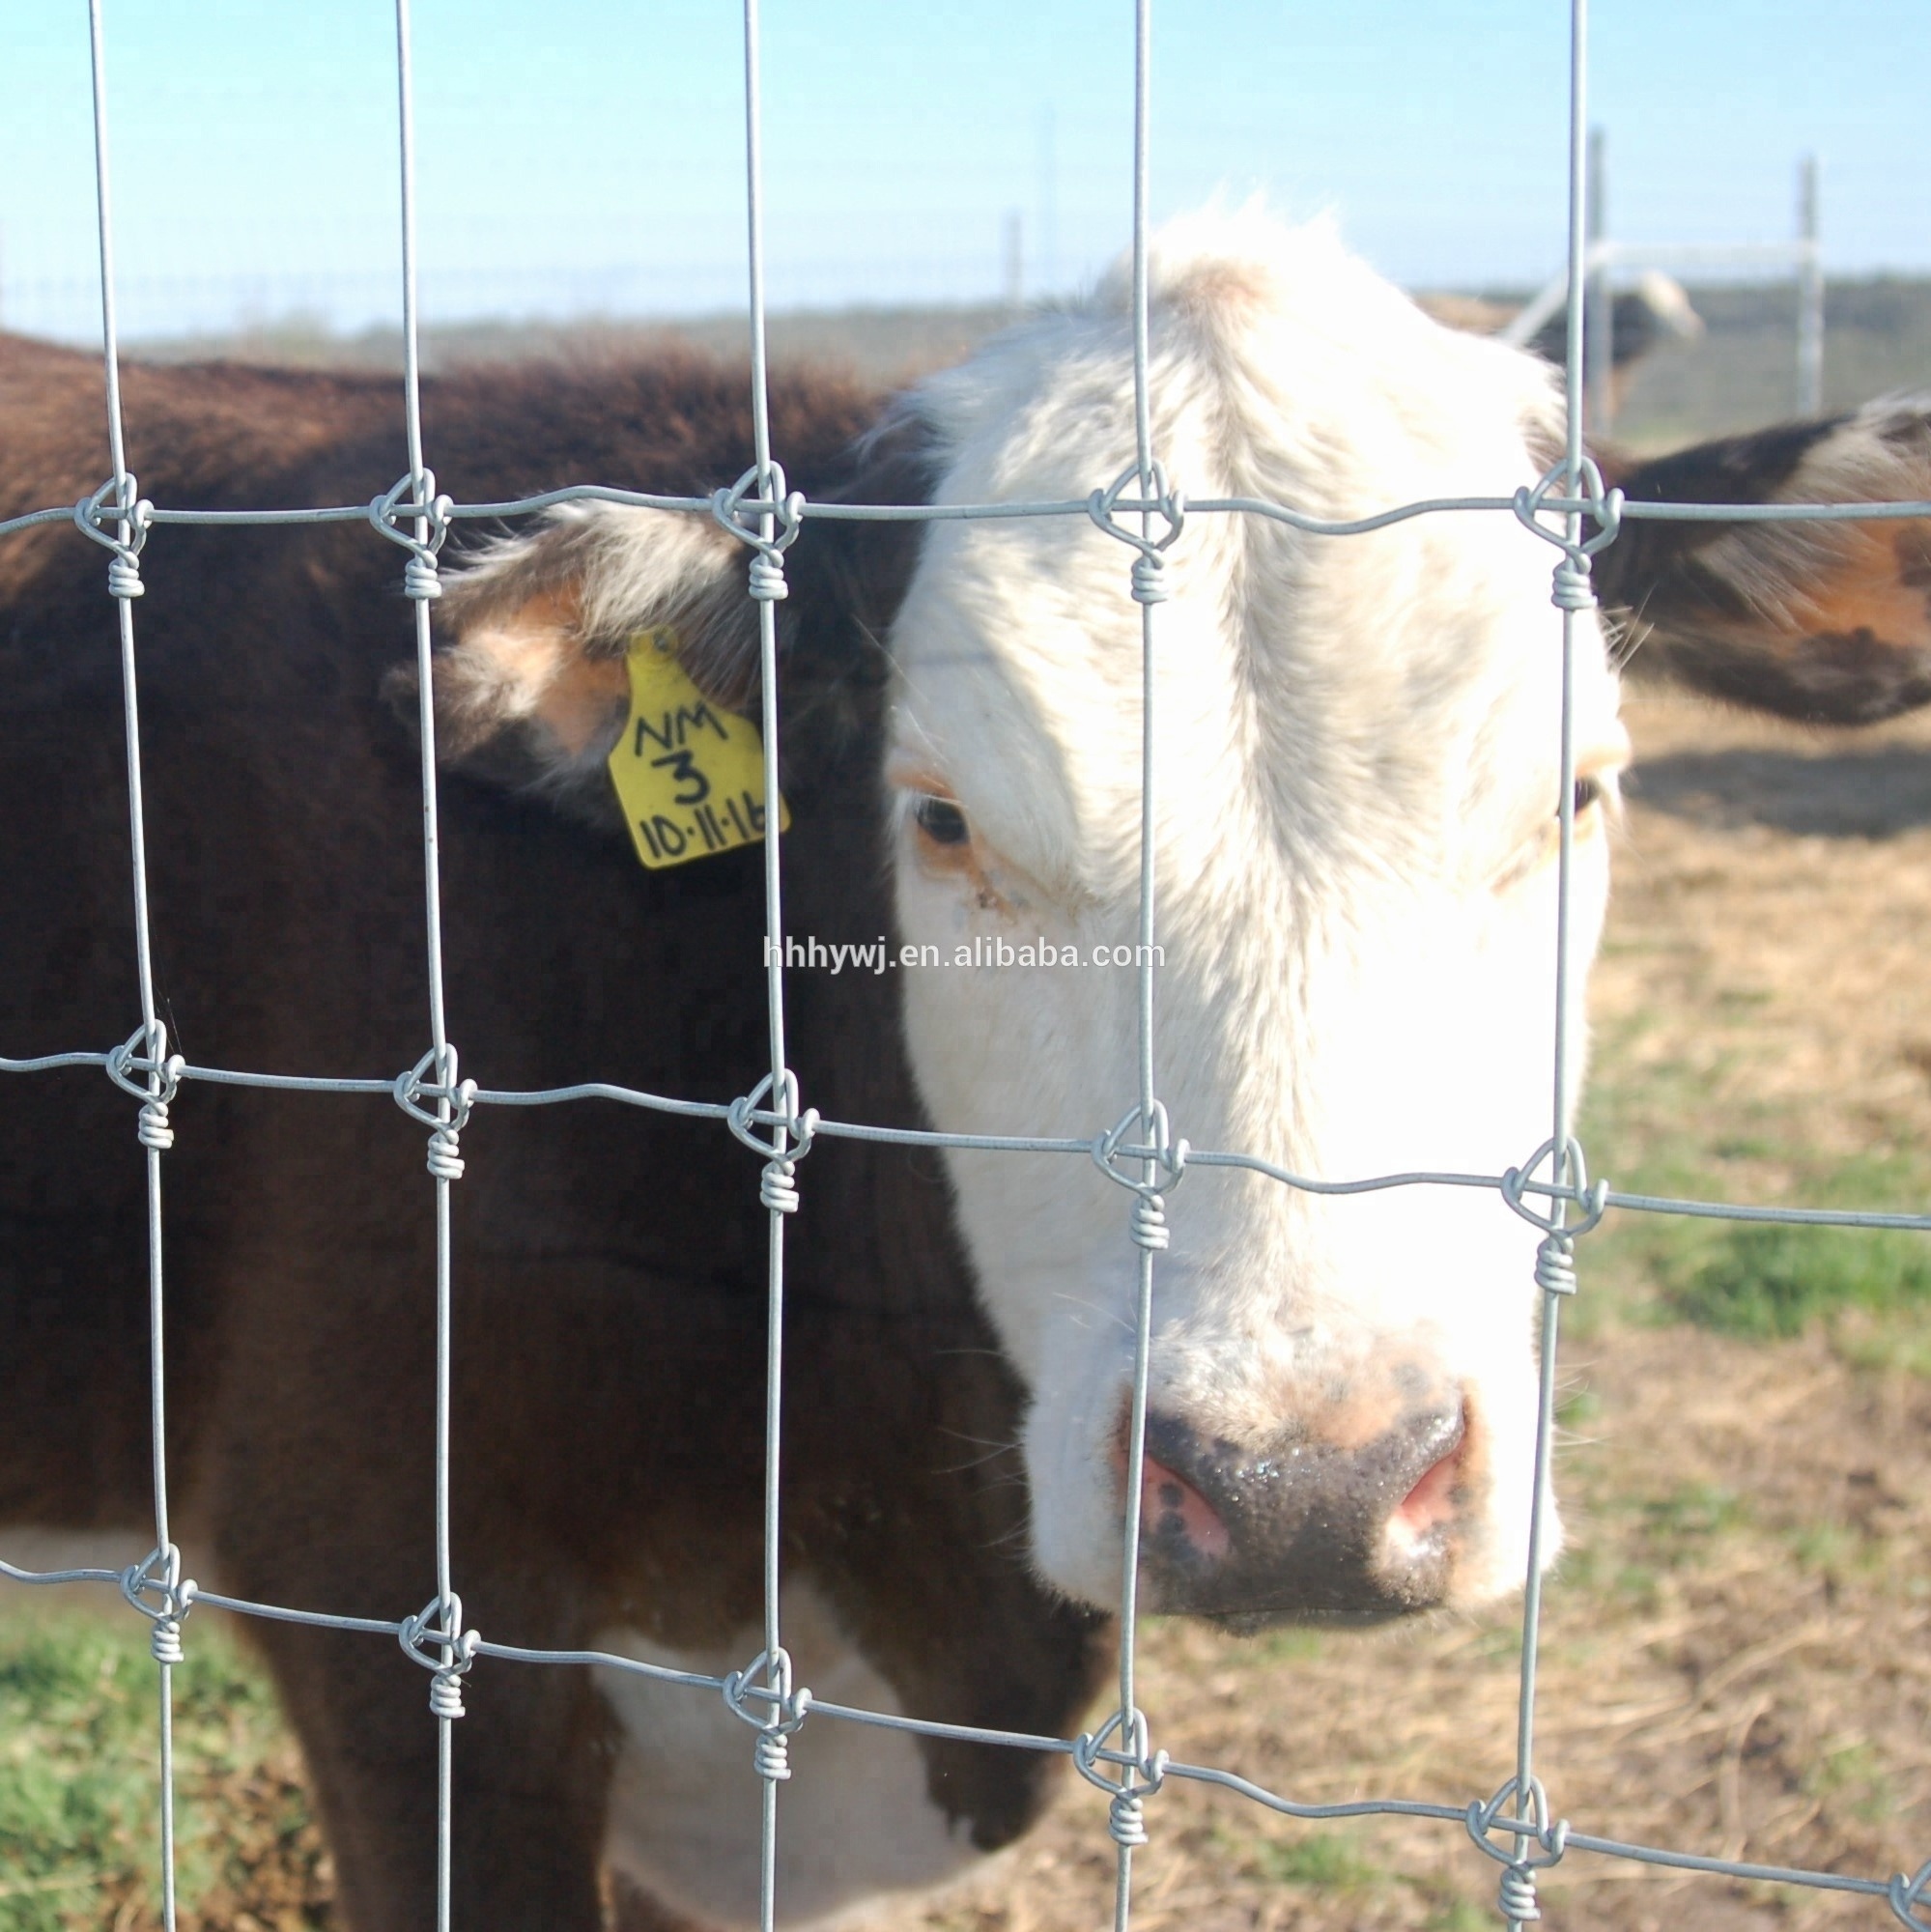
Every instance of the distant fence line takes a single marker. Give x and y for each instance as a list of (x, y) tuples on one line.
[(1801, 258)]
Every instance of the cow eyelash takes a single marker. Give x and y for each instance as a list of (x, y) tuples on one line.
[(941, 820)]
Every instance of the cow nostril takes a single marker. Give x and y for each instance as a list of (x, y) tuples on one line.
[(1430, 1503), (1174, 1516), (1171, 1508)]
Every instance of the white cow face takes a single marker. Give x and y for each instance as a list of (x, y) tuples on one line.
[(1356, 773)]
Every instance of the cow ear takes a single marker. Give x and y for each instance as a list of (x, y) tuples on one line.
[(530, 685), (1827, 622)]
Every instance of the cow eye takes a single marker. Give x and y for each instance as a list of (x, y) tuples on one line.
[(940, 820), (1588, 791)]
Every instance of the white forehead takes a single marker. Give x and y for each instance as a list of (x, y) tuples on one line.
[(1329, 691)]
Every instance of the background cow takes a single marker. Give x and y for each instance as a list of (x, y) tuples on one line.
[(1653, 312), (1357, 776)]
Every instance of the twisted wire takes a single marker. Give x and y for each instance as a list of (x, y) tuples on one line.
[(1517, 1895), (1574, 590), (1126, 1819), (1148, 1223), (1556, 1265)]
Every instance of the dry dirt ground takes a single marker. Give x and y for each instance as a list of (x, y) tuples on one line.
[(1736, 1657)]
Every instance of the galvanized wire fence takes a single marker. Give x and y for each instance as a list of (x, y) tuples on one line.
[(1516, 1826)]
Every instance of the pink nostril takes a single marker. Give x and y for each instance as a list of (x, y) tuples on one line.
[(1430, 1503), (1169, 1504)]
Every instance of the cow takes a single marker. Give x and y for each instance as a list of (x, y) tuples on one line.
[(1656, 310), (609, 1367), (1354, 819)]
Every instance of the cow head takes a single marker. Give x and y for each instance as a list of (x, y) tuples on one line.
[(1355, 772), (1355, 760), (1354, 828)]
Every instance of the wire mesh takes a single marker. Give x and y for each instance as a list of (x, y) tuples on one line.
[(1516, 1826)]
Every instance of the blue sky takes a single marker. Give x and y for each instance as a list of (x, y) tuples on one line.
[(586, 156)]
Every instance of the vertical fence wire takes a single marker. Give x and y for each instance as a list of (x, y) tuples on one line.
[(445, 1631), (1127, 1826), (160, 1575), (779, 1197), (1518, 1893)]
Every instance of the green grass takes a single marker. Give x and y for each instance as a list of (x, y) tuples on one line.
[(1321, 1859), (1654, 1134), (1689, 1516), (1766, 1280), (1283, 1646), (1462, 1915), (1854, 1774), (79, 1769)]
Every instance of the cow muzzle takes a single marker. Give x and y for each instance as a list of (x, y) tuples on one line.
[(1301, 1530)]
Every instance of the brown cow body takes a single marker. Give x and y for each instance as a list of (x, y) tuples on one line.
[(610, 1274)]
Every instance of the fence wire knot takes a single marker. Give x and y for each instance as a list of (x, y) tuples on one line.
[(1586, 499), (1164, 1161), (1126, 1819), (435, 1638), (1572, 589), (1532, 1823), (791, 1131), (1148, 1223), (142, 1066), (118, 501), (154, 1587), (1156, 497), (453, 1099), (777, 1189), (414, 499), (1517, 1897), (767, 1684), (1518, 1894), (445, 1159), (1907, 1894), (1573, 1185), (1556, 1265), (744, 514), (1141, 1773)]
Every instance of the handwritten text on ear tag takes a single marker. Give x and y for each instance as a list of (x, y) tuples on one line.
[(689, 774)]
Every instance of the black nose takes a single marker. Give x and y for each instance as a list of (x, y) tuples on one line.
[(1303, 1531)]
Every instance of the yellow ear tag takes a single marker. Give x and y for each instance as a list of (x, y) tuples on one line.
[(689, 774)]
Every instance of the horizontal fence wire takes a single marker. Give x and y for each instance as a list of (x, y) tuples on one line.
[(152, 515), (1516, 1827)]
